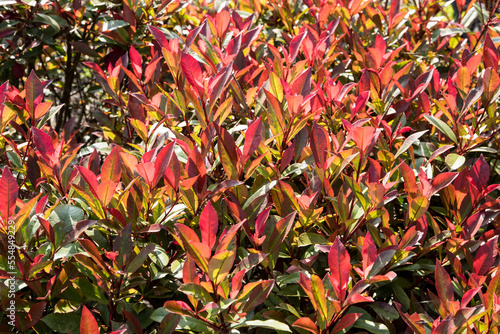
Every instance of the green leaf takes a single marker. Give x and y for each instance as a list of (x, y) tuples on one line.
[(371, 326), (159, 314), (49, 20), (385, 311), (197, 291), (113, 25), (381, 261), (63, 322), (169, 323), (409, 141), (418, 206), (306, 239), (318, 292), (68, 251), (47, 116), (443, 127), (220, 265), (192, 324), (262, 191), (90, 291), (454, 161), (139, 259), (279, 233), (270, 323)]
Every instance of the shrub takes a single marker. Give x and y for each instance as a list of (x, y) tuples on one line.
[(249, 167)]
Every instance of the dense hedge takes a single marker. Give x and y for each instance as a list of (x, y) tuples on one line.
[(249, 166)]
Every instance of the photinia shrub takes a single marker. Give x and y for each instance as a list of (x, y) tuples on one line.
[(249, 167)]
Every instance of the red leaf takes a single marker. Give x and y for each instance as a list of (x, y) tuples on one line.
[(8, 194), (485, 257), (302, 84), (443, 285), (480, 173), (209, 224), (35, 313), (441, 181), (44, 145), (229, 153), (365, 137), (136, 62), (260, 223), (93, 252), (295, 44), (472, 225), (90, 178), (340, 266), (410, 182), (40, 206), (232, 49), (256, 293), (413, 321), (346, 321), (112, 166), (219, 83), (34, 88), (306, 324), (490, 53), (319, 144), (369, 253), (222, 20), (360, 103), (105, 192), (178, 307), (192, 70), (491, 82), (136, 325), (47, 227), (88, 324), (159, 36), (187, 233), (163, 161), (147, 171), (192, 35), (150, 70), (253, 137)]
